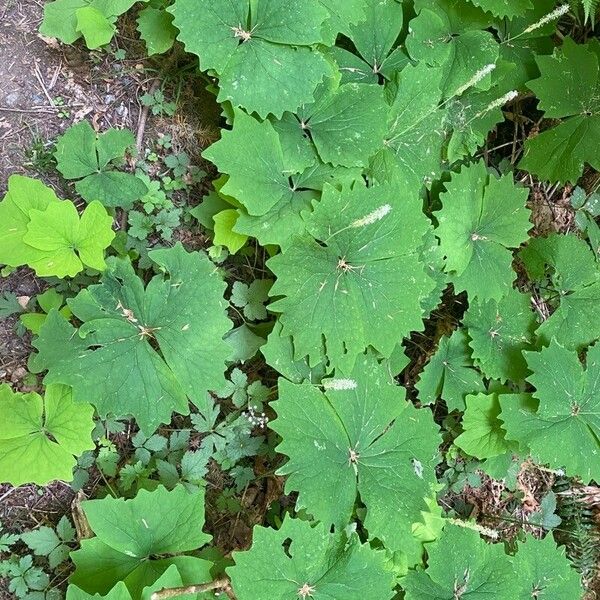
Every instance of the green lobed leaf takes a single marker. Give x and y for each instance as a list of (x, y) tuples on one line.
[(483, 435), (252, 298), (565, 266), (568, 88), (358, 437), (449, 35), (374, 38), (45, 541), (279, 354), (131, 536), (347, 124), (82, 154), (482, 218), (96, 29), (333, 569), (224, 224), (564, 429), (156, 29), (48, 235), (358, 261), (499, 332), (284, 221), (182, 312), (64, 243), (252, 156), (450, 373), (24, 195), (545, 571), (342, 16), (477, 570), (40, 437), (62, 19), (263, 56)]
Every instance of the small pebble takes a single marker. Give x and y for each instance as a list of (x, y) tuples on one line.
[(12, 99)]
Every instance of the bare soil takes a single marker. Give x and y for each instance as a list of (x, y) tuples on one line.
[(44, 88)]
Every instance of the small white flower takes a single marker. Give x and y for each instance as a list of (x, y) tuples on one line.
[(373, 217), (491, 533), (256, 420), (481, 74), (557, 13), (340, 384), (501, 101)]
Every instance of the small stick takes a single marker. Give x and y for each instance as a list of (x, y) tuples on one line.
[(38, 75), (219, 584), (38, 110), (144, 117)]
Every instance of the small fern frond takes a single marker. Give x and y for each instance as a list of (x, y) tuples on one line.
[(589, 8), (578, 509)]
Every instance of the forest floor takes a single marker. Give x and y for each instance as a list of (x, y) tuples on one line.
[(46, 87)]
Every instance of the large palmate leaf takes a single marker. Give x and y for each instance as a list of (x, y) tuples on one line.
[(564, 431), (356, 278), (274, 174), (112, 361), (24, 195), (252, 155), (279, 354), (40, 438), (448, 34), (412, 153), (569, 88), (261, 50), (450, 373), (137, 540), (544, 572), (347, 124), (156, 29), (483, 435), (462, 565), (83, 155), (342, 16), (520, 44), (333, 569), (568, 276), (64, 243), (281, 223), (375, 39), (482, 218), (499, 332), (358, 437), (504, 8), (48, 235), (68, 20), (119, 592)]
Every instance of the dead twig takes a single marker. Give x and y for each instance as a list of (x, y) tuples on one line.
[(220, 584), (139, 138), (38, 76), (40, 110)]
